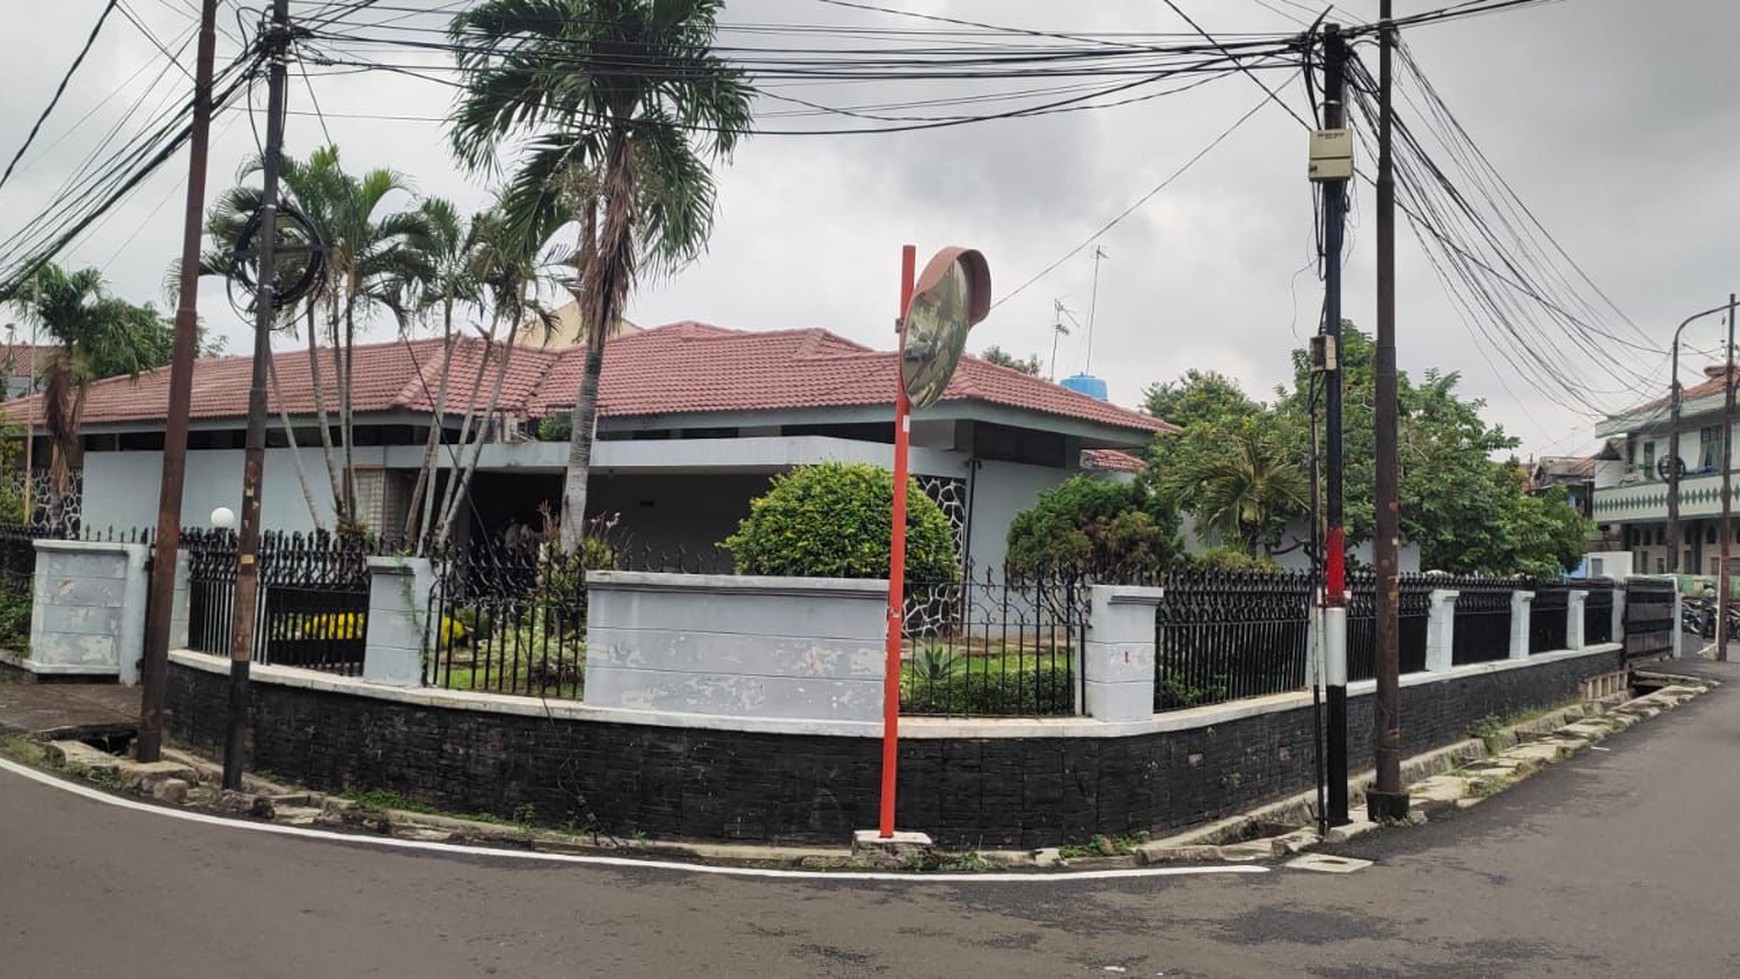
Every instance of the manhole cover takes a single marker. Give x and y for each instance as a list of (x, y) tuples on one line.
[(1323, 863)]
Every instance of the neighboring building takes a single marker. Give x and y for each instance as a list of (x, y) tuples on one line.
[(563, 329), (694, 419), (18, 367), (1575, 473), (1630, 499)]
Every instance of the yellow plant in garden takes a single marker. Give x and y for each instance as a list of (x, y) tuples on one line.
[(354, 625)]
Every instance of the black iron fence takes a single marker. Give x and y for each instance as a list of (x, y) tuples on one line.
[(1649, 617), (1598, 611), (313, 605), (1549, 616), (1229, 635), (988, 645), (1411, 615), (509, 620), (1482, 632)]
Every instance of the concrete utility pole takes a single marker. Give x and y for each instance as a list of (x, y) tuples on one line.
[(1387, 799), (247, 592), (1725, 571), (1335, 538), (1676, 399), (154, 676)]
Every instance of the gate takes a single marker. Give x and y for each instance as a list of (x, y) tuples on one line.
[(1649, 617)]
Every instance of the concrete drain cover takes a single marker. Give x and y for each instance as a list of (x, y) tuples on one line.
[(1323, 863)]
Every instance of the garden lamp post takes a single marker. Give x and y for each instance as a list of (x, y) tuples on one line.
[(1673, 464)]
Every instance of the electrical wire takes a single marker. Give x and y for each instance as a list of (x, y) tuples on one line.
[(59, 90)]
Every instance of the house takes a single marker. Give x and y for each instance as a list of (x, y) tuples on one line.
[(694, 419), (1630, 478), (1575, 473), (18, 367)]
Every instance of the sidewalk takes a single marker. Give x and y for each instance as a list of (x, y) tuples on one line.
[(68, 710)]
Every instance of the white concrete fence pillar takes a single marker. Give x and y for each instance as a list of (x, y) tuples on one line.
[(1118, 657), (1441, 630), (399, 609), (87, 615), (180, 609), (1576, 600), (1520, 604)]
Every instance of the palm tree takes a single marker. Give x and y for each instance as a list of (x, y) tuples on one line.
[(1244, 491), (373, 255), (622, 104), (96, 335)]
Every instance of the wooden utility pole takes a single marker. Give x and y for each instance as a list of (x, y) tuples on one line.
[(1387, 799), (160, 598), (247, 591)]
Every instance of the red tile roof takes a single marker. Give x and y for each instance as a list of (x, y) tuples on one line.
[(683, 368), (19, 359)]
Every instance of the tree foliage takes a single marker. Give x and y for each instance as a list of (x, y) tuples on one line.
[(1094, 526), (94, 335), (1003, 358), (833, 520), (1464, 500), (627, 151)]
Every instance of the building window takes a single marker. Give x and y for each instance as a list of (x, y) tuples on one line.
[(370, 495), (1709, 446), (1709, 533), (1649, 460), (1660, 536), (1661, 565), (1714, 570)]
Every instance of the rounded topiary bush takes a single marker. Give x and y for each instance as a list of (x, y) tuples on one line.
[(832, 520)]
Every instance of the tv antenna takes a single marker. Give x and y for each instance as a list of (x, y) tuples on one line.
[(1093, 303)]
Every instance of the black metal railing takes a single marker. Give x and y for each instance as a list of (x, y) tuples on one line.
[(990, 645), (313, 604), (1549, 616), (1482, 632), (1649, 617), (1416, 602), (509, 620), (1598, 611), (1229, 635)]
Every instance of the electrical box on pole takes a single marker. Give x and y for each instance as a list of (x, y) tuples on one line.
[(1331, 155)]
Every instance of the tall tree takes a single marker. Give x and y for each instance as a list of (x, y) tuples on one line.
[(95, 335), (1241, 483), (375, 251), (1199, 396), (627, 149)]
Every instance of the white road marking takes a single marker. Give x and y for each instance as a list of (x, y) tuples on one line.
[(454, 850)]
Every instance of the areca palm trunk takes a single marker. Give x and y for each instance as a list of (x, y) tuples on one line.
[(346, 433), (422, 509), (609, 270), (328, 452), (461, 480), (290, 438)]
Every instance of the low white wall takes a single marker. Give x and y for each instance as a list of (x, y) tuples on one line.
[(737, 646), (87, 616)]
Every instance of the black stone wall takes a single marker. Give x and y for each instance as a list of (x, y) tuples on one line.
[(666, 781)]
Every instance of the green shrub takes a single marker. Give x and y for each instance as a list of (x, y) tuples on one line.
[(833, 519), (1095, 526), (1039, 690), (555, 428), (1232, 559)]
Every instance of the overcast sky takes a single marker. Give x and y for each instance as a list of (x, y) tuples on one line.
[(1616, 126)]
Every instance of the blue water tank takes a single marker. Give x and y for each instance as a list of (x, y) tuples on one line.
[(1093, 387)]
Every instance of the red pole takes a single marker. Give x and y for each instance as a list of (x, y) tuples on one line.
[(896, 563)]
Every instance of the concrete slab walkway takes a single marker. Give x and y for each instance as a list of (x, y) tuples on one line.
[(68, 710)]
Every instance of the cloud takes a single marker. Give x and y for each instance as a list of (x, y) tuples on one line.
[(1618, 134)]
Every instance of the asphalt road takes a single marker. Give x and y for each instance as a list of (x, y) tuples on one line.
[(1618, 862)]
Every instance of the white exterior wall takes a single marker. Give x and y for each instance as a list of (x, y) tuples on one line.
[(121, 487), (1002, 490)]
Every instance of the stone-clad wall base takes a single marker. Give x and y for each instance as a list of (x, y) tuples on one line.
[(686, 781)]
